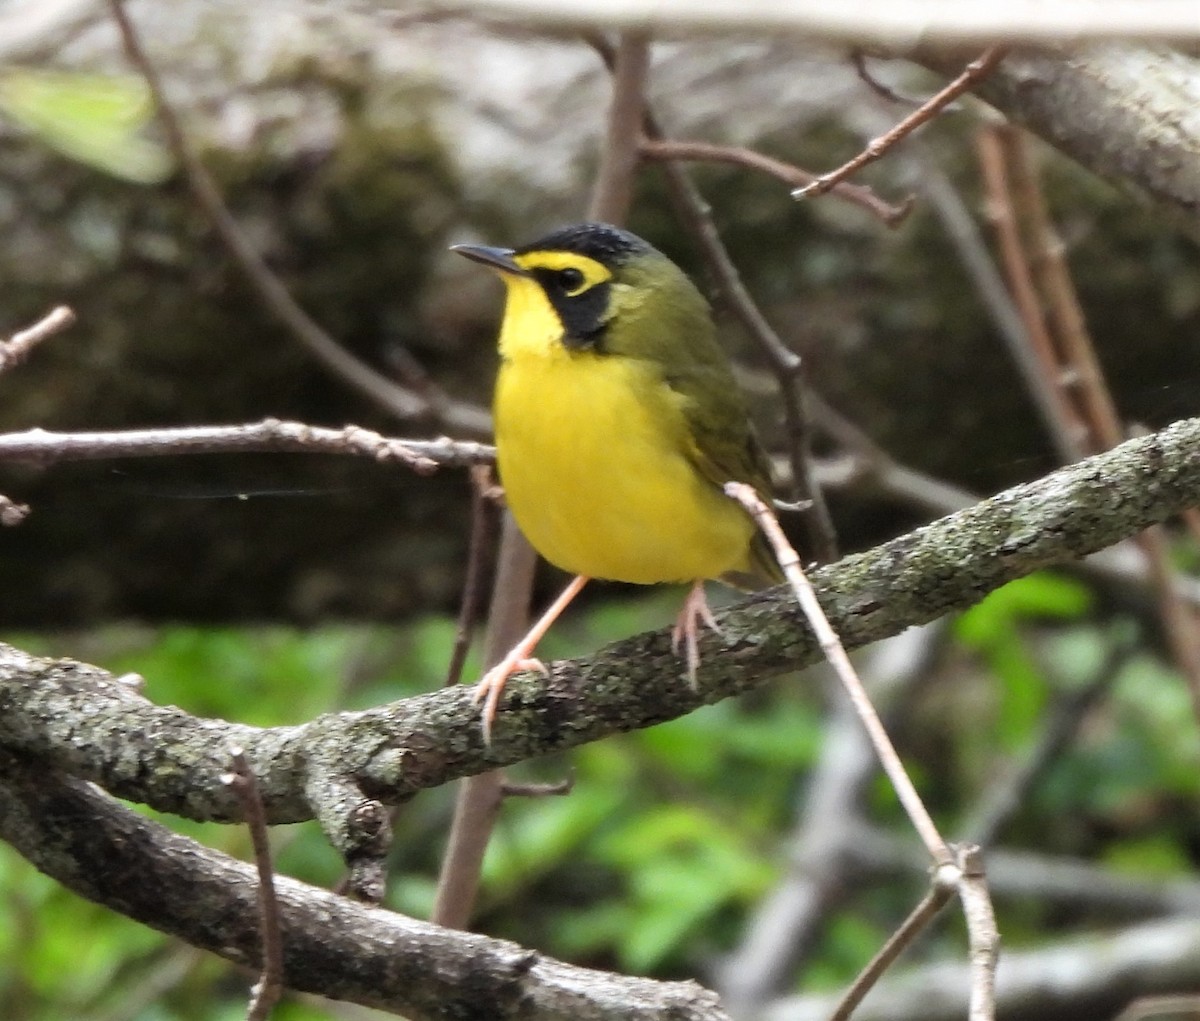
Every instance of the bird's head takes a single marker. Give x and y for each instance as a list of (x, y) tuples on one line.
[(590, 287)]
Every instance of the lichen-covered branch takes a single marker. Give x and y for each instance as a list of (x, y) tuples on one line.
[(331, 945), (77, 718), (1126, 112)]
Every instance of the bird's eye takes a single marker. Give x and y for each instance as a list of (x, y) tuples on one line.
[(570, 279)]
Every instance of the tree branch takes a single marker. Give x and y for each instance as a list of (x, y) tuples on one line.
[(77, 718), (109, 854)]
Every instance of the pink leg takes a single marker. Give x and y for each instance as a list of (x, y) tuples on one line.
[(491, 687), (694, 612)]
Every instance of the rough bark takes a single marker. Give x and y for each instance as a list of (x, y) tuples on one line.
[(332, 945), (76, 718)]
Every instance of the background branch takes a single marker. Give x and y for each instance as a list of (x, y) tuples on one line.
[(77, 718), (111, 855)]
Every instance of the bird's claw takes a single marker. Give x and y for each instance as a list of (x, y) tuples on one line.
[(692, 614), (491, 687)]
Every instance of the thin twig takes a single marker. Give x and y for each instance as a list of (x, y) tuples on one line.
[(964, 235), (461, 417), (975, 71), (918, 920), (835, 653), (1074, 360), (788, 173), (1080, 366), (269, 987), (983, 938), (1071, 431), (16, 349), (859, 60), (479, 545), (478, 801), (39, 446), (613, 191)]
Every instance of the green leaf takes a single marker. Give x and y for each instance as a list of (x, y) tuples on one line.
[(95, 119)]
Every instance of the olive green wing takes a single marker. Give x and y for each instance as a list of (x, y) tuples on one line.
[(724, 447)]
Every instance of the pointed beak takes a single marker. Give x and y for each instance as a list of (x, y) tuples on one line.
[(498, 259)]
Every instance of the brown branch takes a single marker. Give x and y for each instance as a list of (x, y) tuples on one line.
[(613, 190), (271, 435), (1070, 431), (269, 987), (17, 348), (916, 923), (404, 403), (974, 72), (1074, 363), (479, 548), (859, 61), (788, 173), (480, 796)]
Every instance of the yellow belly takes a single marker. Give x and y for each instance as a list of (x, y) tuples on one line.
[(591, 452)]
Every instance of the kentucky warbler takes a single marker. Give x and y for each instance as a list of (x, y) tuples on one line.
[(617, 423)]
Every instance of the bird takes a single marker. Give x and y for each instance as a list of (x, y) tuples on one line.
[(617, 423)]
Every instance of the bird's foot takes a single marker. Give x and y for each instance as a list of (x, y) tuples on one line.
[(692, 614), (491, 687)]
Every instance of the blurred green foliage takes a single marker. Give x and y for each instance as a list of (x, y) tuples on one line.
[(669, 837), (97, 119)]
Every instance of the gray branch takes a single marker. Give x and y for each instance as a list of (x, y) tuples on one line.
[(1060, 983), (1128, 113), (332, 945), (78, 719)]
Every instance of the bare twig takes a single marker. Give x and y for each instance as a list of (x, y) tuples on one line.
[(964, 235), (788, 173), (404, 403), (835, 653), (613, 190), (16, 349), (479, 546), (895, 23), (972, 73), (270, 435), (859, 59), (916, 923), (479, 797), (983, 938), (1069, 429), (269, 987), (785, 927), (1072, 359), (961, 867)]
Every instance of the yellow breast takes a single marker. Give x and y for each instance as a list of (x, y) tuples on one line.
[(592, 455)]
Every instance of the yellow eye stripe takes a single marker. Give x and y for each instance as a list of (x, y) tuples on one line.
[(593, 272)]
